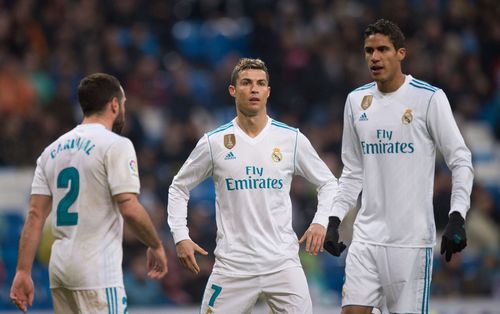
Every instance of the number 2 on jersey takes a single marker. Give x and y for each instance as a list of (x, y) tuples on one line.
[(68, 176)]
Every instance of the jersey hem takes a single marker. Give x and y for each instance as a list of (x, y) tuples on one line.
[(88, 288), (232, 274), (416, 246)]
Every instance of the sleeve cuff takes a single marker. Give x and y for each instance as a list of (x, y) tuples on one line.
[(463, 212), (180, 234), (321, 219)]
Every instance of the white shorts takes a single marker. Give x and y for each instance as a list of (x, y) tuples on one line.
[(401, 275), (285, 291), (106, 301)]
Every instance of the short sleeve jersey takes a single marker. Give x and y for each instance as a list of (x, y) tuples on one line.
[(82, 171)]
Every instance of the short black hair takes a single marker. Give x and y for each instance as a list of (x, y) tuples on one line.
[(388, 28), (96, 90), (245, 64)]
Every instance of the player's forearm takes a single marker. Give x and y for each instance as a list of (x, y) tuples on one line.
[(138, 219), (143, 228), (350, 185), (30, 239), (177, 211), (462, 179), (326, 195)]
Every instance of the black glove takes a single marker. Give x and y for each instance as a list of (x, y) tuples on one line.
[(332, 244), (454, 239)]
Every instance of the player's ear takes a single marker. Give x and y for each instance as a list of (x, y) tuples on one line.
[(114, 105), (401, 53), (232, 90)]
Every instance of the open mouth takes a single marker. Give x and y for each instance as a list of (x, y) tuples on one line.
[(376, 69), (254, 99)]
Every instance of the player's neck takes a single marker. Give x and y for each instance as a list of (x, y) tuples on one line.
[(391, 85), (98, 119), (252, 126)]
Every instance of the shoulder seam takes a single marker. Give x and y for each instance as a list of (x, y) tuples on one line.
[(363, 87), (422, 84), (221, 128), (282, 125), (211, 154)]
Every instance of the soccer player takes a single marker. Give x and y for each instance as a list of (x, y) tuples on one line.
[(252, 160), (89, 178), (392, 128)]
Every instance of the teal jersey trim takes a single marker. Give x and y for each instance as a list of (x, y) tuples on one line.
[(211, 155), (295, 153), (112, 298), (422, 87), (109, 303), (282, 125), (221, 128), (366, 86), (427, 281), (422, 83)]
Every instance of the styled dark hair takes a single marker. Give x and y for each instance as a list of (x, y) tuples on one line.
[(96, 90), (389, 29), (245, 64)]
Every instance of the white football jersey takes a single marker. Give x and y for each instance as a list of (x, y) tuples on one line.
[(389, 150), (82, 170), (252, 179)]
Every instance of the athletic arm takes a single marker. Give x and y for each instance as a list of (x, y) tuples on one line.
[(351, 180), (123, 178), (196, 169), (142, 227), (449, 141), (137, 219), (22, 290), (310, 166)]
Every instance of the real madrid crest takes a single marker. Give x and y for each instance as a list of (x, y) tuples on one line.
[(366, 102), (276, 156), (229, 141), (407, 117)]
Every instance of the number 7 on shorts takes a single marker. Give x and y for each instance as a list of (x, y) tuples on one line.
[(217, 290)]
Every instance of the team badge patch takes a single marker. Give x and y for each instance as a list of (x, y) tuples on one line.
[(276, 156), (366, 102), (229, 141), (132, 165), (407, 116)]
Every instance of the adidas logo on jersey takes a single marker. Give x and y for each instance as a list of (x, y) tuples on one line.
[(363, 117), (229, 156)]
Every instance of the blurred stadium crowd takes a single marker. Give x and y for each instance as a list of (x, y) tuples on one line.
[(174, 59)]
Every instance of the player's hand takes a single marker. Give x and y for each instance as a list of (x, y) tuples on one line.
[(22, 291), (157, 262), (332, 244), (454, 239), (185, 252), (314, 237)]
